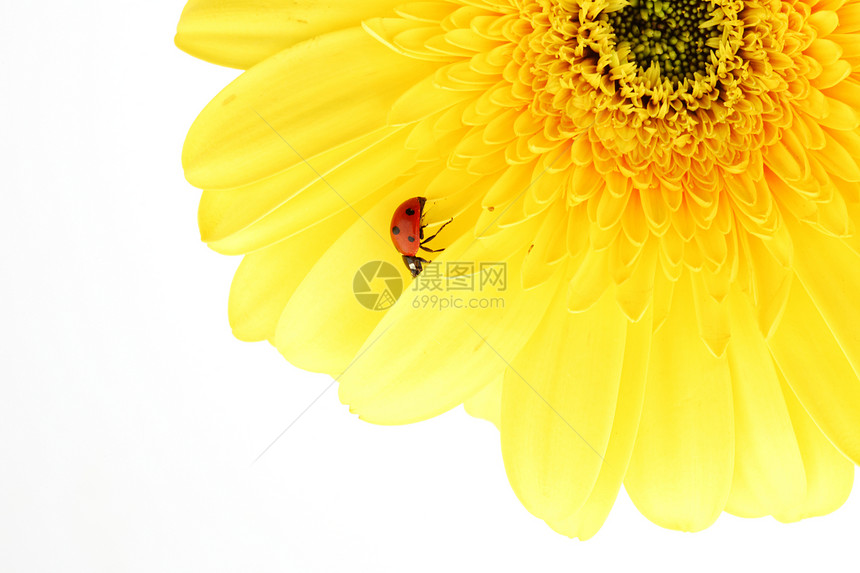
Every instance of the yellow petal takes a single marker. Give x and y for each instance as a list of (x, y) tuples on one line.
[(577, 230), (513, 182), (585, 522), (558, 404), (487, 403), (770, 281), (224, 212), (830, 272), (548, 248), (838, 160), (324, 324), (769, 477), (664, 290), (423, 99), (787, 158), (635, 294), (389, 386), (829, 474), (824, 22), (260, 124), (818, 372), (347, 186), (849, 18), (266, 279), (681, 469), (243, 33), (589, 283), (712, 317)]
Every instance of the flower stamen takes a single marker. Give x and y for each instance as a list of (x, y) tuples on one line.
[(678, 36)]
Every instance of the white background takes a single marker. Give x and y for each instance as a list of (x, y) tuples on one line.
[(129, 415)]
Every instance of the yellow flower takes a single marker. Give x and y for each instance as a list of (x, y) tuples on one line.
[(672, 186)]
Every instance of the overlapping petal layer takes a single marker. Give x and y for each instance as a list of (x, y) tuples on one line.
[(680, 250)]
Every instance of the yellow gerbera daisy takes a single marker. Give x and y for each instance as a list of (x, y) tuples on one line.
[(671, 185)]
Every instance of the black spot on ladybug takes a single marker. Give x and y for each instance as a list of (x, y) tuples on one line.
[(410, 211), (395, 230), (411, 239)]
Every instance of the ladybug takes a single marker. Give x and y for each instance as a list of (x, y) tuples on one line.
[(407, 233)]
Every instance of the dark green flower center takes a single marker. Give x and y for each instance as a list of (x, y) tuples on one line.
[(676, 35)]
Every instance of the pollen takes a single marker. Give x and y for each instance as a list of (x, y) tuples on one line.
[(678, 36)]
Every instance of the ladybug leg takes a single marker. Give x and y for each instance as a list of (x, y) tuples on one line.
[(423, 248), (433, 236)]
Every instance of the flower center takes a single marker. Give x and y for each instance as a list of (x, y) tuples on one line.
[(677, 36)]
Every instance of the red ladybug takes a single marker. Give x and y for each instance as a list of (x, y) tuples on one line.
[(407, 233)]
